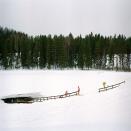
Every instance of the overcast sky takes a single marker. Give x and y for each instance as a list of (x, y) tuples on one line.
[(107, 17)]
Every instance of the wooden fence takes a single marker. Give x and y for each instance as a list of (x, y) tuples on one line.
[(41, 99), (110, 87)]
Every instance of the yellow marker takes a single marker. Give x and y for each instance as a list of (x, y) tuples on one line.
[(104, 83)]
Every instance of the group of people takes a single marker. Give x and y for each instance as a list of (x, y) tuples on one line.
[(78, 91)]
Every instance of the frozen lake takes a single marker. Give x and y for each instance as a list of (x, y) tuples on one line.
[(91, 111)]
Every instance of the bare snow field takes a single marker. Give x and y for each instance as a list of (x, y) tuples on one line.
[(91, 111)]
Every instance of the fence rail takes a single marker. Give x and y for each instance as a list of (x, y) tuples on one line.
[(41, 99), (111, 87)]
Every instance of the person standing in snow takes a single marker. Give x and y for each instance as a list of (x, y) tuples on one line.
[(78, 90), (66, 93)]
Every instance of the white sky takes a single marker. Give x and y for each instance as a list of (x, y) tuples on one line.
[(107, 17)]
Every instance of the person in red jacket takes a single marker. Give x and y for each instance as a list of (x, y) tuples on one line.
[(66, 93)]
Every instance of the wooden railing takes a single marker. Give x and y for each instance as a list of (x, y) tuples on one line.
[(41, 99), (111, 87)]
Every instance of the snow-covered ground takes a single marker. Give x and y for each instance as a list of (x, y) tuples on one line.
[(91, 111)]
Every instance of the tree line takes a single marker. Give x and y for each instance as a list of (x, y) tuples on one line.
[(94, 51)]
